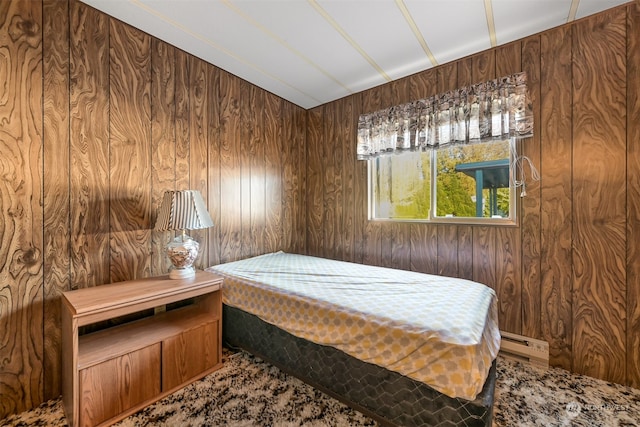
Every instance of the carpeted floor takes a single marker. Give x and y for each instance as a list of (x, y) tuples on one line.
[(249, 392)]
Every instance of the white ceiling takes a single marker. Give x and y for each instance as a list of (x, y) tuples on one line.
[(315, 51)]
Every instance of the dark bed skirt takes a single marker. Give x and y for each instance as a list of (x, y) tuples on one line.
[(388, 397)]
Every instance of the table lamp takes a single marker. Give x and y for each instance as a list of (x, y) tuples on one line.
[(182, 210)]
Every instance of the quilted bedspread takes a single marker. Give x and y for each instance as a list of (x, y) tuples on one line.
[(438, 330)]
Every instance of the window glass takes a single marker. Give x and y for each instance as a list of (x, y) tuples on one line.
[(461, 183), (401, 185), (473, 180)]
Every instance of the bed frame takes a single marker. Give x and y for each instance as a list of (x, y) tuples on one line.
[(388, 397)]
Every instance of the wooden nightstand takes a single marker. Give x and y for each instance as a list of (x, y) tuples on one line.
[(110, 374)]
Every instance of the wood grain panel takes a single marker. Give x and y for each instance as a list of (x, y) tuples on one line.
[(530, 206), (55, 53), (465, 72), (89, 145), (447, 250), (129, 152), (509, 59), (508, 239), (465, 252), (258, 200), (163, 144), (21, 245), (301, 154), (293, 128), (183, 129), (215, 206), (329, 179), (599, 239), (315, 196), (300, 142), (290, 194), (633, 196), (387, 247), (484, 257), (424, 248), (230, 179), (339, 185), (273, 170), (554, 287), (508, 280), (246, 133), (348, 129), (198, 147), (483, 66), (386, 243)]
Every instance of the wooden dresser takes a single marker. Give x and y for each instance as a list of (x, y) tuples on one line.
[(113, 373)]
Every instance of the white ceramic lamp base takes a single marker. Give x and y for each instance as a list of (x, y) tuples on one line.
[(182, 252)]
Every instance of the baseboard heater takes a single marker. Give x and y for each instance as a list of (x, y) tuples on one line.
[(525, 349)]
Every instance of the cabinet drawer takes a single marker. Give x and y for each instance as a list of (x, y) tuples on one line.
[(189, 354), (113, 386)]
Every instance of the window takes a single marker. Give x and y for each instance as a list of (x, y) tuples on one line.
[(462, 183)]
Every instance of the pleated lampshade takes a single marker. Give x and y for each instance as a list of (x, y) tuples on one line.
[(183, 210)]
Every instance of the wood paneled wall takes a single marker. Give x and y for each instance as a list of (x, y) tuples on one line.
[(570, 272), (97, 120), (21, 213)]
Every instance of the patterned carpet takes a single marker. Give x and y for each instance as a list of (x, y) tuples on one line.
[(250, 392)]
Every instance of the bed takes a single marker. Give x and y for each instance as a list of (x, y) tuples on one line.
[(405, 348)]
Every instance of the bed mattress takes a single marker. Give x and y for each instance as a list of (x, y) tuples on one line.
[(436, 330)]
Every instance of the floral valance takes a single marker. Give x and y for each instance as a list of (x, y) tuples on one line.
[(493, 110)]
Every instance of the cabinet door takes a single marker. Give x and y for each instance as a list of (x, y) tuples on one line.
[(189, 354), (111, 387)]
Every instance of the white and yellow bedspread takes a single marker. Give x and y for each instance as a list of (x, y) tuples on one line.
[(437, 330)]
